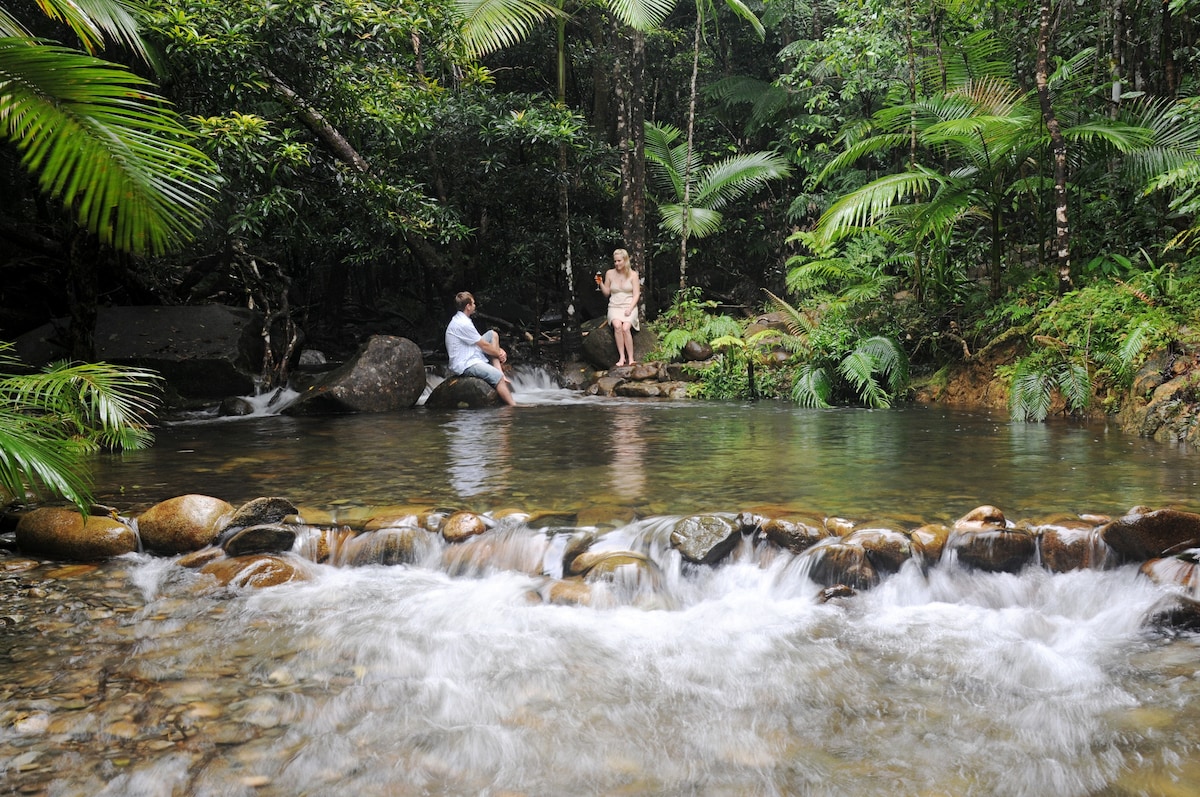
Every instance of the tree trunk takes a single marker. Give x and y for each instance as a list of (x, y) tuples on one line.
[(630, 85), (1062, 230), (687, 162)]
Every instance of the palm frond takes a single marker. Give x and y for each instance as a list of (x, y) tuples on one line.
[(37, 455), (813, 388), (798, 323), (1075, 383), (491, 25), (643, 15), (858, 368), (736, 176), (699, 222), (100, 142), (1031, 391), (889, 360), (97, 21), (866, 205)]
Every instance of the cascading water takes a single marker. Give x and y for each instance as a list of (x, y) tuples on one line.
[(454, 674)]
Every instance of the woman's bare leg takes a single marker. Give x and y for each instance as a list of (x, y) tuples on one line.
[(624, 340)]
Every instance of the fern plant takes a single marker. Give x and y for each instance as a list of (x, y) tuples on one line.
[(52, 419)]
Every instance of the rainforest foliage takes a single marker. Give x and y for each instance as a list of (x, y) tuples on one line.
[(895, 184)]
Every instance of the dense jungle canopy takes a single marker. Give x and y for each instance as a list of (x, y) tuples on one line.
[(905, 182)]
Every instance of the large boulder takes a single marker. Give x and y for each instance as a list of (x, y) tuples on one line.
[(61, 533), (705, 539), (462, 392), (387, 373), (600, 347), (203, 352), (182, 524), (1144, 534)]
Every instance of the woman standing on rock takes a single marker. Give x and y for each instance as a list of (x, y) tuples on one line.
[(623, 290)]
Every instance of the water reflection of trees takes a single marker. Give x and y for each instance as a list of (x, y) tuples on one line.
[(628, 475), (478, 453)]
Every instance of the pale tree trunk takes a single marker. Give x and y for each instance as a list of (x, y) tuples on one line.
[(572, 340), (629, 88), (687, 163), (1062, 230)]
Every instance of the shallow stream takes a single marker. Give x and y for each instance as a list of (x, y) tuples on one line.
[(134, 678)]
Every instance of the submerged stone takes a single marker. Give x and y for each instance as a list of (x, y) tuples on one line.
[(841, 563), (262, 570), (393, 546), (993, 549), (1070, 546), (887, 549)]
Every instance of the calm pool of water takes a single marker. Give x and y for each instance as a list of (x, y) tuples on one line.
[(566, 453)]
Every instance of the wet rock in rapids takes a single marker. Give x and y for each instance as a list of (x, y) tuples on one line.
[(796, 536), (463, 525), (577, 545), (259, 570), (182, 524), (1175, 571), (395, 546), (834, 563), (317, 544), (387, 373), (463, 393), (836, 591), (887, 549), (258, 512), (568, 592), (627, 566), (997, 550), (61, 533), (705, 539), (929, 541), (1072, 545), (1142, 535), (981, 517), (198, 559), (263, 538)]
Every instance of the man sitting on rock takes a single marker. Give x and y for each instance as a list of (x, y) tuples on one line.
[(470, 352)]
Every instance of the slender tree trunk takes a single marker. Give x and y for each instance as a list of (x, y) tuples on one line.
[(1062, 230), (1114, 64), (630, 87), (1167, 52), (572, 340), (687, 163)]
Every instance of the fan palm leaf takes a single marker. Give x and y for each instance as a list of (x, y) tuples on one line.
[(103, 144), (737, 176), (51, 418)]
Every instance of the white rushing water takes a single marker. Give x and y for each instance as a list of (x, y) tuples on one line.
[(405, 680)]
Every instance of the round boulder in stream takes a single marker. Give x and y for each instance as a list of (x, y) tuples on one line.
[(1144, 534), (705, 539), (982, 539), (62, 533), (463, 393), (182, 524)]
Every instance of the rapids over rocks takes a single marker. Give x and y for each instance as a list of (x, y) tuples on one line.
[(589, 596)]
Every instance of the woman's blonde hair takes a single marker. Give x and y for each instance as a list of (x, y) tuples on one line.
[(624, 256)]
